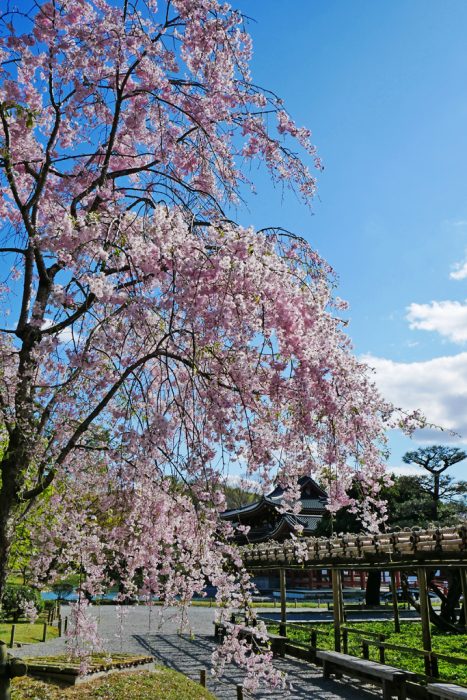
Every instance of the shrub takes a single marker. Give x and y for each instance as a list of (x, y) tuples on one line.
[(16, 598)]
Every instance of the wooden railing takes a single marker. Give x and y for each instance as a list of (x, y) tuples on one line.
[(436, 545), (366, 640)]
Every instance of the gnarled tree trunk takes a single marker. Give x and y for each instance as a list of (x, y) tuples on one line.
[(373, 588)]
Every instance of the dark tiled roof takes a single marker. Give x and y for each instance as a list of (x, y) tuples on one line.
[(304, 481), (309, 503), (309, 522), (274, 499), (268, 523), (264, 502)]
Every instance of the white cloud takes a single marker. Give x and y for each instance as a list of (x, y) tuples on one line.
[(459, 272), (437, 387), (448, 318), (64, 336), (406, 470)]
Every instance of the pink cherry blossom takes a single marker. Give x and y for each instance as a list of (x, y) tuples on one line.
[(151, 340)]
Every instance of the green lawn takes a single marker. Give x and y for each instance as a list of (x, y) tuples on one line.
[(410, 635), (25, 632), (162, 684), (208, 603)]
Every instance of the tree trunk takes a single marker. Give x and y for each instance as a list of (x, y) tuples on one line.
[(451, 601), (434, 509), (5, 542), (373, 588), (445, 620), (10, 488)]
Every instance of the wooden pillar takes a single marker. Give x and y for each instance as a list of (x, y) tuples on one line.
[(395, 606), (362, 580), (283, 626), (337, 606), (463, 577), (343, 616), (425, 615)]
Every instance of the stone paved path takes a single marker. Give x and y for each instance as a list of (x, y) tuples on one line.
[(190, 653)]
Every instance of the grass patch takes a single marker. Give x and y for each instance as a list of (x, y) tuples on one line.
[(210, 603), (26, 633), (410, 636), (162, 684)]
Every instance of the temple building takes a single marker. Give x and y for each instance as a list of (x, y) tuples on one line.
[(267, 522)]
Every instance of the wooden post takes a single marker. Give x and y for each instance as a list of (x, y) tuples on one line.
[(9, 668), (381, 639), (313, 645), (202, 677), (44, 632), (425, 615), (463, 577), (337, 606), (239, 692), (343, 615), (12, 636), (4, 678), (59, 626), (395, 605), (65, 626), (283, 625), (345, 641)]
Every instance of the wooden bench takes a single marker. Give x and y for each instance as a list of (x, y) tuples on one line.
[(393, 680), (277, 641), (446, 690)]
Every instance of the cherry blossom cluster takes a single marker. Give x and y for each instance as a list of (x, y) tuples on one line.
[(169, 86)]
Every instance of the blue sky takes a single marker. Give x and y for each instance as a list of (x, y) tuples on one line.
[(383, 86)]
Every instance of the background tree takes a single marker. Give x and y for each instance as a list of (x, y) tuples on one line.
[(436, 460), (238, 496), (408, 501)]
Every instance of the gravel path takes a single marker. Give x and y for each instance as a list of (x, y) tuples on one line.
[(188, 653)]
